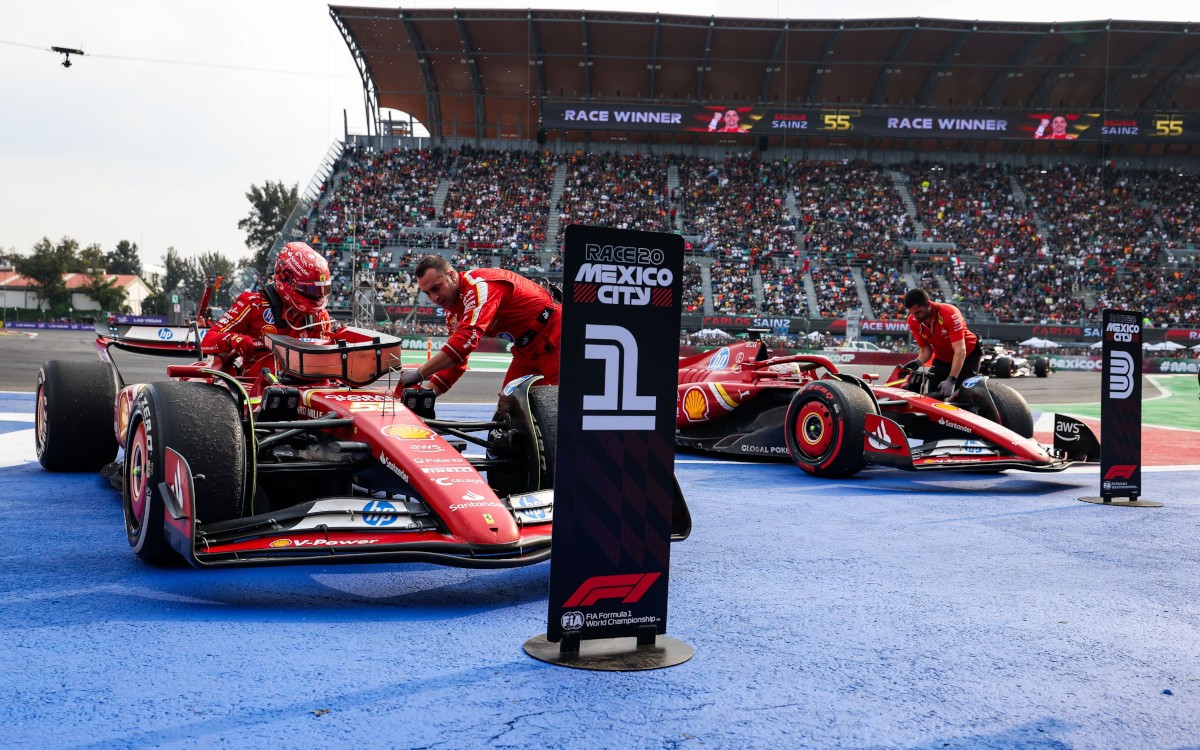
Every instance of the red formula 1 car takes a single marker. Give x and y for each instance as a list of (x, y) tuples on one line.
[(740, 401), (302, 463)]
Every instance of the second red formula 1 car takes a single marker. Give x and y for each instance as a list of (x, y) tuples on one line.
[(740, 401)]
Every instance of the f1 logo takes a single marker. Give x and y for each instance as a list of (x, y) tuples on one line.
[(1121, 471), (1120, 375), (628, 587), (620, 382)]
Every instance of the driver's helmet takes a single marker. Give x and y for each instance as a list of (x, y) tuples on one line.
[(302, 278)]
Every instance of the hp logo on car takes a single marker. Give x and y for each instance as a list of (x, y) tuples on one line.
[(572, 620), (379, 513), (165, 334)]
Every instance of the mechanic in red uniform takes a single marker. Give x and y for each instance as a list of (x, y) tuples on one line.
[(292, 303), (488, 302), (941, 332)]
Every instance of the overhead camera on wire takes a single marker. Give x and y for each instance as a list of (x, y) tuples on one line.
[(67, 52)]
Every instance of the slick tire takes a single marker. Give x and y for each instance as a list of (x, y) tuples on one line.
[(543, 404), (1014, 411), (201, 423), (824, 428), (1002, 367), (73, 416), (1041, 367)]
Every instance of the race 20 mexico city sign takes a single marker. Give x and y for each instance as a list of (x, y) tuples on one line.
[(615, 483)]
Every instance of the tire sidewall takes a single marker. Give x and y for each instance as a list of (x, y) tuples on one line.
[(846, 419), (147, 536), (40, 414)]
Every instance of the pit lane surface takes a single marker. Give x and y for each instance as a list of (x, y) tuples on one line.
[(890, 610)]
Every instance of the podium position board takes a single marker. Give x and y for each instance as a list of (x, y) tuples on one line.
[(615, 465), (1121, 411)]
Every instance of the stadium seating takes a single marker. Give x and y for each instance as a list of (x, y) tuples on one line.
[(1051, 243)]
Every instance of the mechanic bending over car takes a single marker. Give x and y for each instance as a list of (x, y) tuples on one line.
[(291, 303), (488, 302), (941, 332)]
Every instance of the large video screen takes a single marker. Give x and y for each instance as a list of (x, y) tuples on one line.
[(1051, 125)]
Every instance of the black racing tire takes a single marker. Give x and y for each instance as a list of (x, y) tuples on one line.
[(1002, 367), (543, 404), (1014, 411), (74, 415), (824, 428), (1041, 367), (202, 424)]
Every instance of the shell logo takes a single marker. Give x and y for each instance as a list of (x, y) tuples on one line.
[(695, 404), (282, 543), (408, 432), (947, 407)]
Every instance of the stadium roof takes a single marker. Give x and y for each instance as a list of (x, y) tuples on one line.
[(485, 73)]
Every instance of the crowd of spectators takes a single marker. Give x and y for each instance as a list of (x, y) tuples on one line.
[(499, 200), (1167, 296), (1092, 214), (1040, 243), (693, 287), (1030, 293), (736, 206), (885, 290), (376, 195), (974, 206), (851, 211), (732, 283), (609, 190), (836, 291), (1171, 198), (783, 290)]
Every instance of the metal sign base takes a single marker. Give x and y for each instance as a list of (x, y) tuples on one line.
[(611, 654), (1126, 502)]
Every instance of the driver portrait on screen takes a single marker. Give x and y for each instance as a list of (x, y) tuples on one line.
[(727, 121), (1057, 132)]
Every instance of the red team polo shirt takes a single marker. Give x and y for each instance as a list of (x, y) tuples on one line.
[(242, 327), (945, 326), (498, 303)]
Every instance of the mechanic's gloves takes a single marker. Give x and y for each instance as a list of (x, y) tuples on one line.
[(911, 365), (410, 377), (947, 387), (245, 346)]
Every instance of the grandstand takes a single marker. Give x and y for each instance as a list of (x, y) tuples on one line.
[(865, 157)]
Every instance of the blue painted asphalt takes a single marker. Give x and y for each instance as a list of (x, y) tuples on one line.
[(890, 610)]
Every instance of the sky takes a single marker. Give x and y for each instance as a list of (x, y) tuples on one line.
[(179, 107)]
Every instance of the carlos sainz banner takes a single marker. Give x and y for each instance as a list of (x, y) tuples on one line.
[(615, 473), (735, 119)]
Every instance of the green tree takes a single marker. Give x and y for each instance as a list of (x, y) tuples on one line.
[(46, 267), (124, 259), (270, 207), (88, 260), (163, 286), (105, 291), (204, 268), (154, 303)]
